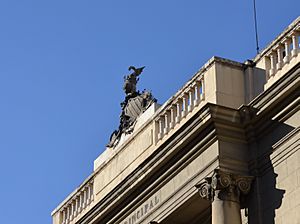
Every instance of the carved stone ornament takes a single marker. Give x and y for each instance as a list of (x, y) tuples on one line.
[(225, 186), (205, 189), (134, 105)]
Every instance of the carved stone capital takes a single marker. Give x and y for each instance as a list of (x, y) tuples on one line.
[(205, 189), (224, 186)]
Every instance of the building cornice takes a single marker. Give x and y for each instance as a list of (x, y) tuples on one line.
[(275, 104), (152, 166), (162, 163), (279, 90), (211, 120)]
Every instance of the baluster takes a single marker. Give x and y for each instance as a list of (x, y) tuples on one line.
[(72, 210), (279, 57), (196, 95), (92, 191), (286, 58), (64, 216), (83, 198), (190, 101), (202, 94), (160, 128), (273, 65), (68, 214), (172, 117), (295, 45), (80, 202), (166, 128), (76, 207), (88, 195), (184, 105), (178, 112)]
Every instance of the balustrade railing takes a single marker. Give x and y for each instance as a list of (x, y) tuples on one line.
[(180, 107), (283, 52), (77, 204)]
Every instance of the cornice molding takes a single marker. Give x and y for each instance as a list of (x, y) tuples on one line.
[(280, 89), (212, 115), (162, 156), (233, 122)]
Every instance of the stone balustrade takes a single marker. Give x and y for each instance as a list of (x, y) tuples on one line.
[(282, 51), (180, 107), (77, 203)]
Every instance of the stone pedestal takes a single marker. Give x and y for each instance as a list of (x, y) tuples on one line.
[(224, 190)]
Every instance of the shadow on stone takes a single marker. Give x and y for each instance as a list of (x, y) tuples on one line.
[(265, 198)]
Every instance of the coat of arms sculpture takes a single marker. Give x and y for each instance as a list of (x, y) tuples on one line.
[(134, 105)]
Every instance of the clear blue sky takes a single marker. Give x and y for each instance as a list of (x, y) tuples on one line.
[(61, 73)]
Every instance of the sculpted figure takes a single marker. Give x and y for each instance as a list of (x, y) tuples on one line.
[(134, 104), (131, 80)]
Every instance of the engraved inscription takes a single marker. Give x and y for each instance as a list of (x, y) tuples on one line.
[(142, 211)]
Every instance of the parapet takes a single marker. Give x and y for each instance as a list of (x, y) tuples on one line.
[(281, 55)]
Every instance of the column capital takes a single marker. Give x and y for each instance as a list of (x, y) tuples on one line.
[(224, 186), (205, 189)]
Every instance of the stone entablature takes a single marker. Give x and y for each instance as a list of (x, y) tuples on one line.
[(142, 211)]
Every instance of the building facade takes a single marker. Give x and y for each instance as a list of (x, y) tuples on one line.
[(223, 150)]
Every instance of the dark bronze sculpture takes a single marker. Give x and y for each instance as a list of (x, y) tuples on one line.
[(134, 105), (131, 80)]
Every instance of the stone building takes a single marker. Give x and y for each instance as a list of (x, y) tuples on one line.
[(224, 150)]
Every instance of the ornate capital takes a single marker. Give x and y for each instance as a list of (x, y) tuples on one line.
[(225, 186), (205, 189)]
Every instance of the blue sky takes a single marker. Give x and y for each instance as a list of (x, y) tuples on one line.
[(61, 73)]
